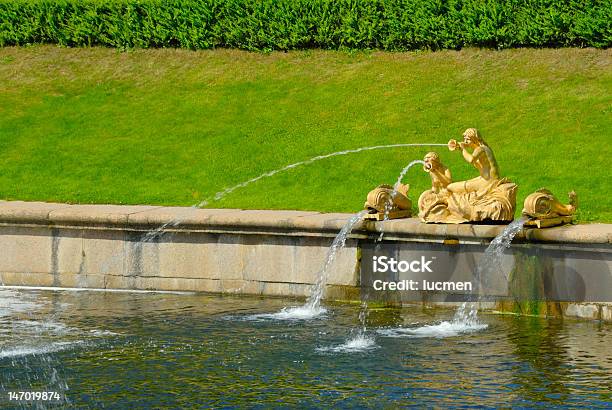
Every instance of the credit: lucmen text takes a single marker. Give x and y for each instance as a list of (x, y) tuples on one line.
[(410, 284)]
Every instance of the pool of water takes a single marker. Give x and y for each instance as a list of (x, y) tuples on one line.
[(127, 350)]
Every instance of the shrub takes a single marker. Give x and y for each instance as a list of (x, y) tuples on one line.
[(299, 24)]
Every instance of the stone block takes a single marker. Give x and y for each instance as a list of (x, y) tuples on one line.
[(67, 250), (176, 217), (582, 233), (257, 219), (104, 251), (286, 289), (105, 215), (201, 255), (332, 222), (26, 249), (582, 310), (27, 278), (606, 312), (28, 212)]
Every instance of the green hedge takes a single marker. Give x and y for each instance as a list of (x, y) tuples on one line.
[(299, 24)]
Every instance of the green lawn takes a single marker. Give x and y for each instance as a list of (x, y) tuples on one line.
[(172, 127)]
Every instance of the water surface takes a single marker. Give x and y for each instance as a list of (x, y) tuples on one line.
[(120, 350)]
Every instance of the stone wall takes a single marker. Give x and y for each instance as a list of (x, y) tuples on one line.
[(276, 253)]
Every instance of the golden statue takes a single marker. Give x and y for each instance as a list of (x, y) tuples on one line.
[(543, 209), (433, 203), (440, 175), (488, 197), (384, 202)]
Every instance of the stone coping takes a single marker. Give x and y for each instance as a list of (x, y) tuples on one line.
[(144, 217)]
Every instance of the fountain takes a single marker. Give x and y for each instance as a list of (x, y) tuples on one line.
[(487, 198), (170, 328)]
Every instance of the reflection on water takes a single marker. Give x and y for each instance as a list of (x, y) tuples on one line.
[(162, 350)]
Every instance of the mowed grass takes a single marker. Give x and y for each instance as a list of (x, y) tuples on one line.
[(173, 127)]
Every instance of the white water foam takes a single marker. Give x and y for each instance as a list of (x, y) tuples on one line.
[(12, 302), (359, 343), (290, 313), (45, 326), (440, 330), (22, 351), (102, 333)]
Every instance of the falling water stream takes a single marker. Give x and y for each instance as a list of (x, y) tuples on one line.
[(359, 339), (491, 261), (312, 308), (465, 319), (314, 300)]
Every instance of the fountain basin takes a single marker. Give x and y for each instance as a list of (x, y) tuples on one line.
[(275, 253), (138, 350)]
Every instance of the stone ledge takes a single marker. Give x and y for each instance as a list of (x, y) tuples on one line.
[(277, 222)]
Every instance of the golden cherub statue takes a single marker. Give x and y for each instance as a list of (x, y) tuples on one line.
[(488, 197)]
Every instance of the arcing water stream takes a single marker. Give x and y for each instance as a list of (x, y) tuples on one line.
[(227, 191), (153, 234), (389, 203)]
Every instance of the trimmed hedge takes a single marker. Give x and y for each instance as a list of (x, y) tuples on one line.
[(300, 24)]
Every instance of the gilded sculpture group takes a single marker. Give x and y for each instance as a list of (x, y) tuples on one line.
[(487, 198)]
